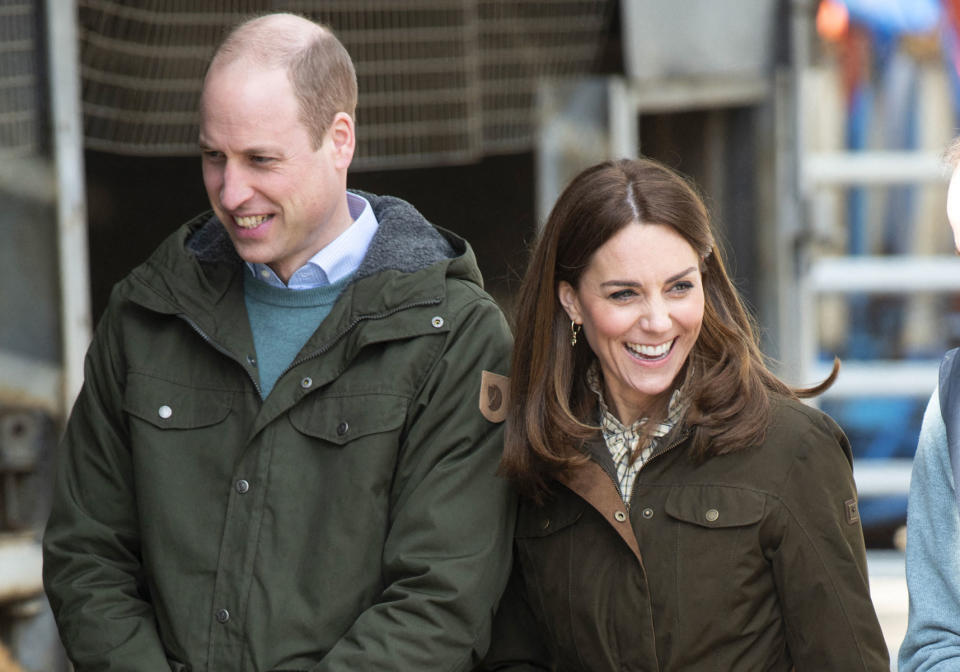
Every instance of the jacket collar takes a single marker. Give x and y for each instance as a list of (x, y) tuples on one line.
[(594, 485), (195, 267), (594, 481), (404, 242)]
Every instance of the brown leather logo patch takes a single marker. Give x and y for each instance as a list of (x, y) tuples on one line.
[(494, 390), (853, 513), (494, 398)]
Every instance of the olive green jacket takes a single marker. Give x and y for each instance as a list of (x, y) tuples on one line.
[(350, 521), (752, 562)]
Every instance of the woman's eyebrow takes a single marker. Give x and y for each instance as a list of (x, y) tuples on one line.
[(634, 283)]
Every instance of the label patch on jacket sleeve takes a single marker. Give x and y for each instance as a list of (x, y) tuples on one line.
[(494, 390), (853, 513)]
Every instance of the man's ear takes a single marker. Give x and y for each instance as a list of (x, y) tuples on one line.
[(343, 140), (568, 299)]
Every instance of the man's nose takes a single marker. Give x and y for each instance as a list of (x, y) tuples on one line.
[(236, 189)]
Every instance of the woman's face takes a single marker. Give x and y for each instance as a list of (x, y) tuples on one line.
[(640, 301)]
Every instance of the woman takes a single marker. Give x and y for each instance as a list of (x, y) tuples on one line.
[(682, 509)]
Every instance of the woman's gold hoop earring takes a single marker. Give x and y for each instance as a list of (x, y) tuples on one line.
[(574, 332)]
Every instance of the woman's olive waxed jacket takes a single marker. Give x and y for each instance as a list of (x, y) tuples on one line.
[(750, 562), (352, 520)]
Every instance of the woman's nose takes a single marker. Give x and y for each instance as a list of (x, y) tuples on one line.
[(656, 318)]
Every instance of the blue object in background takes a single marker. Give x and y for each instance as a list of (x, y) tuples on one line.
[(880, 427), (895, 16)]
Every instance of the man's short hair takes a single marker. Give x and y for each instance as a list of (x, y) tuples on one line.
[(319, 68), (952, 155)]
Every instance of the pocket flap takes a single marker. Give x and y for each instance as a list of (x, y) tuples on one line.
[(714, 506), (344, 418), (170, 405), (561, 510)]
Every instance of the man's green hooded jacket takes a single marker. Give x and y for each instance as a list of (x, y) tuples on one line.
[(352, 520)]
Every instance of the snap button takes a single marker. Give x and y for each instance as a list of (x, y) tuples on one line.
[(243, 486), (306, 383), (223, 615), (620, 516), (647, 513), (251, 360), (342, 428), (437, 322), (164, 411), (711, 515)]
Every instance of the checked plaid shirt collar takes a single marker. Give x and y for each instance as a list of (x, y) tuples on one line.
[(622, 441)]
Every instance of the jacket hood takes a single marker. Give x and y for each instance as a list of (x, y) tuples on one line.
[(198, 262)]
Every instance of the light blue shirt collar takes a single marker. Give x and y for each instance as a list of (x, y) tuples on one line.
[(338, 259)]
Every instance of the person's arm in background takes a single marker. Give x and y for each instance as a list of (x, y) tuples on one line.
[(932, 641)]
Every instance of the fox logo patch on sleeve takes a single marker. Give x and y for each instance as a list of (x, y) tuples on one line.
[(494, 390), (853, 513)]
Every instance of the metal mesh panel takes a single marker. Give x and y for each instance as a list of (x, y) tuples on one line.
[(416, 73), (19, 132), (523, 42), (141, 70), (440, 80)]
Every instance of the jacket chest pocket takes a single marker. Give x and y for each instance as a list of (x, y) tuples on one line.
[(716, 548), (548, 546), (347, 445), (157, 409), (340, 420), (546, 541), (584, 584), (182, 445)]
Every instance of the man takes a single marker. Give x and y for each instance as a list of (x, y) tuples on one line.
[(278, 460), (932, 640)]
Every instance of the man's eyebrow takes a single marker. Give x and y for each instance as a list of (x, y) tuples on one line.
[(271, 151), (204, 146)]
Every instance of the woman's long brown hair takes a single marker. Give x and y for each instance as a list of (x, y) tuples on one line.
[(551, 410)]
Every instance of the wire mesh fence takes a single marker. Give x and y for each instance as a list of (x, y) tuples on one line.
[(440, 80), (19, 89)]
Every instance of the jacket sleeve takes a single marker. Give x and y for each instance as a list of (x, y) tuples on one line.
[(517, 644), (447, 554), (932, 642), (91, 555), (819, 560)]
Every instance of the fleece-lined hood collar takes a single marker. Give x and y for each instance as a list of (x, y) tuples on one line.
[(199, 259)]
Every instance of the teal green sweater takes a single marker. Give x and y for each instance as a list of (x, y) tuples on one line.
[(282, 320)]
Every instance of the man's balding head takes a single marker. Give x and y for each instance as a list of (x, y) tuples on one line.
[(317, 64)]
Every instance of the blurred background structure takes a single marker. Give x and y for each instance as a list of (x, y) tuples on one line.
[(813, 127)]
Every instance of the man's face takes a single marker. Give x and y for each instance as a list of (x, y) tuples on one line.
[(279, 199), (953, 206)]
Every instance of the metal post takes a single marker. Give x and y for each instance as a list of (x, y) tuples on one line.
[(795, 341), (624, 138), (71, 199)]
